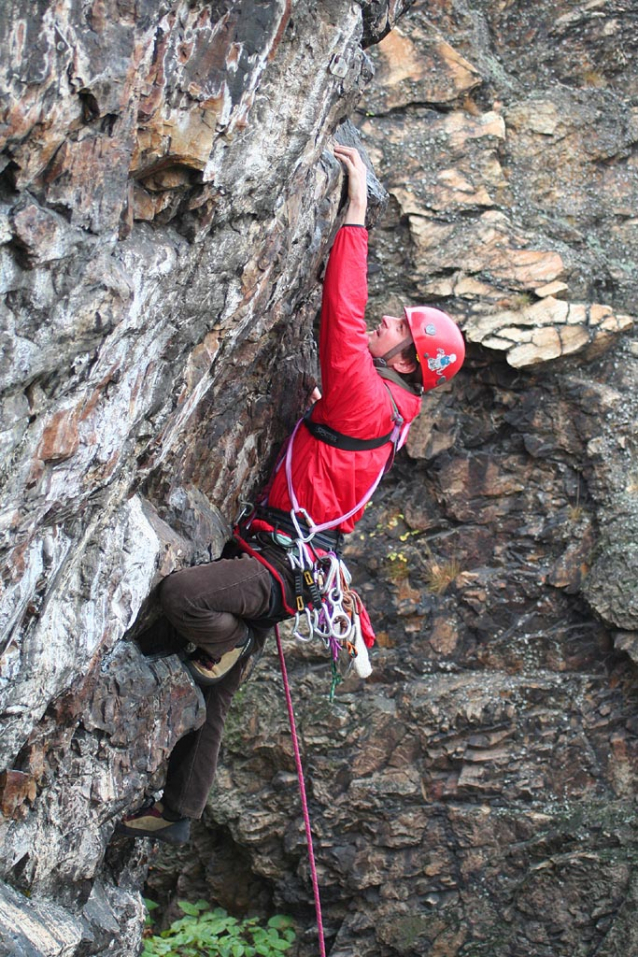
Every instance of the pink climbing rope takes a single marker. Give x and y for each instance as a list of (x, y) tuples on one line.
[(302, 792)]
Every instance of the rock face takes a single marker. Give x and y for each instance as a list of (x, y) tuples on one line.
[(166, 200), (166, 203), (477, 794)]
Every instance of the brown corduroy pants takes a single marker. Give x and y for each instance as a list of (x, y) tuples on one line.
[(210, 605)]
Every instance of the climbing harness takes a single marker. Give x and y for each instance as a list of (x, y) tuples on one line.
[(338, 440), (302, 794), (333, 611), (326, 607)]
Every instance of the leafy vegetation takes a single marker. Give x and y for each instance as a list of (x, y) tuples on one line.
[(203, 932)]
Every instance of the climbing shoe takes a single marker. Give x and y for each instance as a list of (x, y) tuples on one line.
[(206, 670), (156, 821)]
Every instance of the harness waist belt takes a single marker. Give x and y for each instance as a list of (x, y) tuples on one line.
[(330, 540), (339, 440)]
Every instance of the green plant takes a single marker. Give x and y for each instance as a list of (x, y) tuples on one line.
[(203, 932), (398, 567)]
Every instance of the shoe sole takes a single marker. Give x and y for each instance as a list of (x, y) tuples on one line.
[(205, 682)]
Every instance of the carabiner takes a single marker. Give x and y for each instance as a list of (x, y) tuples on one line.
[(245, 508), (341, 626), (322, 624), (310, 620), (309, 522)]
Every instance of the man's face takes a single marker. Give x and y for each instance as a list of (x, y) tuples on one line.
[(389, 333)]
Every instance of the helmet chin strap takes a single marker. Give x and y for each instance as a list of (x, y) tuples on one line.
[(394, 351)]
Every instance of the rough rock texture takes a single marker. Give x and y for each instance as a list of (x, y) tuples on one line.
[(166, 201), (477, 795)]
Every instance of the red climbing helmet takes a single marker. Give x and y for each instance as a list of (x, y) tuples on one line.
[(439, 344)]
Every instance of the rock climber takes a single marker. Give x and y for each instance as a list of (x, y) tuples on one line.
[(372, 385)]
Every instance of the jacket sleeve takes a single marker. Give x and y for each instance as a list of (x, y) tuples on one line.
[(353, 393)]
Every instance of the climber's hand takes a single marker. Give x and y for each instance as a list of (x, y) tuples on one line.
[(357, 183)]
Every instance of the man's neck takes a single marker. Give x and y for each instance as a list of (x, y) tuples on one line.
[(393, 376)]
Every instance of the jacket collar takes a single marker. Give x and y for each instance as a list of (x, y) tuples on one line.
[(392, 376)]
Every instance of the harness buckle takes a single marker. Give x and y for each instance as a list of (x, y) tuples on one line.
[(284, 541)]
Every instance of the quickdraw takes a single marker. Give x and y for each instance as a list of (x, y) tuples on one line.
[(332, 611)]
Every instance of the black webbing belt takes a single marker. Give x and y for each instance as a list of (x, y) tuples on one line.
[(338, 440)]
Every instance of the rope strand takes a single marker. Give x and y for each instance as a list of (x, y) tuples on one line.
[(302, 792)]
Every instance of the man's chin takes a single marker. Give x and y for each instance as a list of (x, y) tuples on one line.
[(373, 344)]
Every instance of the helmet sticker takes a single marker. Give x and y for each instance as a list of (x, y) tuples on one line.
[(441, 361), (430, 329)]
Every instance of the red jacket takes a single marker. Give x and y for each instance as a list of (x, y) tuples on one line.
[(329, 482)]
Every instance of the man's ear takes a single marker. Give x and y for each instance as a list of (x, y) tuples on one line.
[(404, 366)]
